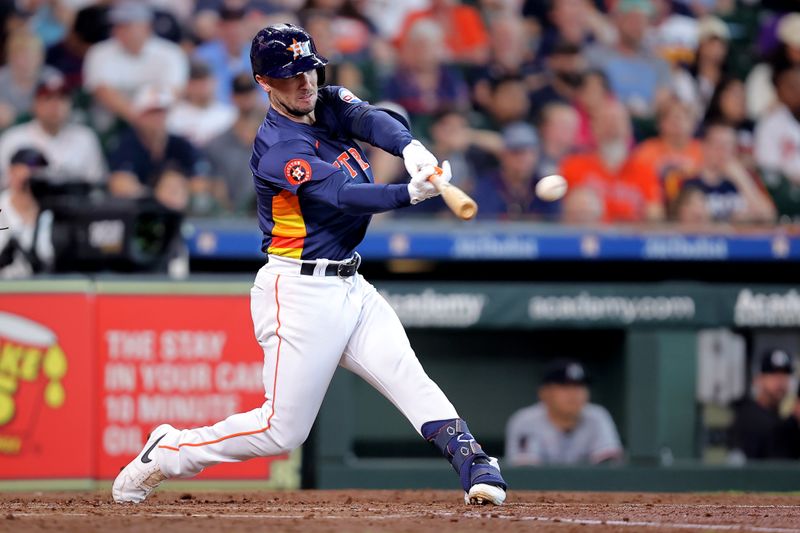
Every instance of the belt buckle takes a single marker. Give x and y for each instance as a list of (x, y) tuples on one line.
[(345, 270)]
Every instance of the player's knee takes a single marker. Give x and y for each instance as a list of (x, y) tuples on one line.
[(294, 440), (289, 438)]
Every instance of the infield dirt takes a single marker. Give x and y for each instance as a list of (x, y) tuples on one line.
[(418, 511)]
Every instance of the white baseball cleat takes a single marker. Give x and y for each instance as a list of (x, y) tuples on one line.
[(137, 480), (481, 494)]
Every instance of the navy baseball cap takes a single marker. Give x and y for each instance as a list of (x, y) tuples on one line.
[(565, 372), (30, 157), (777, 361)]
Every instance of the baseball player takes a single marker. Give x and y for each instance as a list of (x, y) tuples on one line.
[(312, 311)]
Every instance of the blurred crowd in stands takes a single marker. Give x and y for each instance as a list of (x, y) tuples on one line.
[(653, 110)]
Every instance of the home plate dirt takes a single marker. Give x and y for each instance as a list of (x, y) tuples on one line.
[(418, 511)]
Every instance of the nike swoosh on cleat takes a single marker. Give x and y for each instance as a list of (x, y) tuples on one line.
[(146, 456)]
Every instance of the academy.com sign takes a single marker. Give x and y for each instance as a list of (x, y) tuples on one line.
[(767, 309), (612, 308)]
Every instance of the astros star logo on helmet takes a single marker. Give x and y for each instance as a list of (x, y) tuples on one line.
[(299, 49)]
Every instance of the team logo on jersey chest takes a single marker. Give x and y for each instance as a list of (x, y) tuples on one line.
[(297, 171)]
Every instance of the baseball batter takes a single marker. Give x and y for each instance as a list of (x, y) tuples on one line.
[(312, 311)]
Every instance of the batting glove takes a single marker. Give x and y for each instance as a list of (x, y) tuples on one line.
[(417, 158), (420, 188)]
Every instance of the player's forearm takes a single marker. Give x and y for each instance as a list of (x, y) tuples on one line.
[(370, 198), (356, 198)]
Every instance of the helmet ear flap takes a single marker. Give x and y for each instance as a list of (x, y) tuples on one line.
[(320, 76)]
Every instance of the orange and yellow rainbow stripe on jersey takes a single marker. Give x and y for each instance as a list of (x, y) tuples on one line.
[(289, 231)]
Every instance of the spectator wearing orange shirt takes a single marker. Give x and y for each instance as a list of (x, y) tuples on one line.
[(629, 193), (465, 36), (674, 155)]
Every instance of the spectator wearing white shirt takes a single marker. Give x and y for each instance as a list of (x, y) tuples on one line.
[(199, 116), (25, 240), (132, 58), (72, 150)]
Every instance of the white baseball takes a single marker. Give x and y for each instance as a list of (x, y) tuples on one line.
[(551, 188)]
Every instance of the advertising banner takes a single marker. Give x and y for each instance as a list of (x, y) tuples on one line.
[(185, 360), (46, 386), (525, 305)]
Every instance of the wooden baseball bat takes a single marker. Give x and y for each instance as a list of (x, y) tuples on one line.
[(457, 200)]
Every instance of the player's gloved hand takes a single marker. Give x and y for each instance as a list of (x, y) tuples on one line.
[(420, 188), (416, 158)]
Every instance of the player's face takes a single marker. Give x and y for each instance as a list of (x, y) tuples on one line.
[(295, 96), (565, 401), (774, 386)]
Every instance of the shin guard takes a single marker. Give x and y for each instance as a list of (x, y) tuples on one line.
[(453, 439)]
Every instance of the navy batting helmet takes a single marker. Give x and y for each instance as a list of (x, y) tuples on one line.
[(284, 50)]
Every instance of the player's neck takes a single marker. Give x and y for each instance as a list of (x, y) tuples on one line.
[(308, 118)]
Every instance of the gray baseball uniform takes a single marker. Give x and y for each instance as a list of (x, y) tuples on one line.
[(531, 438)]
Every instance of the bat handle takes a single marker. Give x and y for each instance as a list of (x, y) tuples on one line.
[(457, 200)]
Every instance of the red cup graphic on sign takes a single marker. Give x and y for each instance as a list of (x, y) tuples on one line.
[(32, 367)]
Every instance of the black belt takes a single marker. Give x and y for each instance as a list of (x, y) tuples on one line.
[(343, 270)]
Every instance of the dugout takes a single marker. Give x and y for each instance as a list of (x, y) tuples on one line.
[(642, 343)]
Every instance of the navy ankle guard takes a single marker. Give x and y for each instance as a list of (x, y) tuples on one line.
[(453, 439)]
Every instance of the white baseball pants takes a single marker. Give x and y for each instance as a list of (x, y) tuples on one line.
[(307, 325)]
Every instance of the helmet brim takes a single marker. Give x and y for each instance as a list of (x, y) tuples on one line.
[(304, 64)]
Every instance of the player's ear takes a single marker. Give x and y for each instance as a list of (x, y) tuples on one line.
[(262, 81)]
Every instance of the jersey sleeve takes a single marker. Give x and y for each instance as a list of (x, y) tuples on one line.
[(295, 166), (365, 122)]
